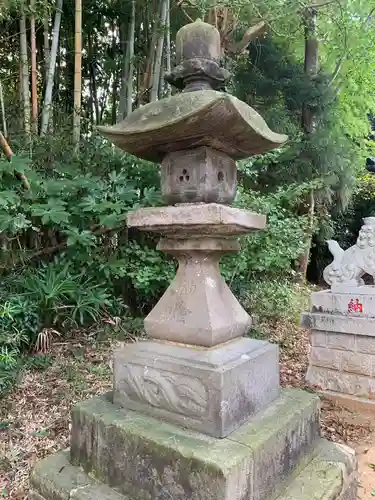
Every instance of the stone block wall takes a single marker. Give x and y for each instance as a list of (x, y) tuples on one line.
[(343, 363)]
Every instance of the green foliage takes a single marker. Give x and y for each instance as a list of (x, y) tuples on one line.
[(39, 362), (19, 325), (67, 258), (271, 252), (273, 80), (343, 226), (275, 300)]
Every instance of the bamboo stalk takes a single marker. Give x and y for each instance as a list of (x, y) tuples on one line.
[(46, 112), (34, 90), (77, 73), (24, 70)]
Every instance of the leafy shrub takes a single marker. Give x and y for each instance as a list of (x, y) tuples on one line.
[(274, 300), (62, 295), (270, 253), (19, 326)]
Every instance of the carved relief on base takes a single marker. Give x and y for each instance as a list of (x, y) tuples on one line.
[(166, 390), (349, 266)]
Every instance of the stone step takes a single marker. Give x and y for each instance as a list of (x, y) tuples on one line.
[(330, 474), (151, 459), (54, 478)]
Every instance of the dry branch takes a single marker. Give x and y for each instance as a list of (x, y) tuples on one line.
[(251, 33), (9, 154)]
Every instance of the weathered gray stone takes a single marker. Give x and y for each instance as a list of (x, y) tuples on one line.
[(198, 175), (198, 307), (352, 403), (196, 220), (345, 273), (198, 49), (277, 451), (339, 323), (157, 128), (199, 386), (211, 390), (351, 492), (360, 302), (355, 362), (342, 320), (343, 360), (327, 358), (342, 357), (344, 341), (365, 344), (331, 475), (339, 453), (318, 339), (151, 459), (328, 474), (341, 382), (54, 478)]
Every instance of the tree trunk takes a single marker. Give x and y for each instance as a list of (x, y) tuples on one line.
[(311, 64), (24, 70), (94, 93), (69, 28), (115, 78), (159, 52), (309, 126), (46, 113), (77, 73), (34, 87), (3, 117), (168, 44), (129, 89), (144, 90), (161, 80), (126, 93), (46, 45), (124, 44)]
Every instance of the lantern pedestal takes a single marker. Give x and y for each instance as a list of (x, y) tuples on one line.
[(210, 390), (125, 455)]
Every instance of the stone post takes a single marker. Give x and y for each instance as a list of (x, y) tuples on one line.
[(196, 411), (342, 323)]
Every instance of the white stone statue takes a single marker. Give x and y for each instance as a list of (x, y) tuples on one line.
[(350, 265)]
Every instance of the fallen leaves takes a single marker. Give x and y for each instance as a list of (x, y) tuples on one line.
[(35, 418)]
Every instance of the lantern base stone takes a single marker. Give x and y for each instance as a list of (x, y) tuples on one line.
[(213, 390), (124, 455)]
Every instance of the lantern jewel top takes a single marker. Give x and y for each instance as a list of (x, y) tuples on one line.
[(197, 56), (199, 115)]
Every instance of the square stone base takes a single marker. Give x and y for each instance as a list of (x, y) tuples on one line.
[(147, 458), (212, 390), (123, 455), (342, 358)]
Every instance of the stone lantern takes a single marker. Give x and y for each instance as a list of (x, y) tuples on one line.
[(196, 411)]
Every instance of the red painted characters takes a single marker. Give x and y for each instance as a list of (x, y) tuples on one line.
[(355, 306)]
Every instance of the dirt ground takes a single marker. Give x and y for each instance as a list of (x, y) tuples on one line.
[(366, 464), (35, 417)]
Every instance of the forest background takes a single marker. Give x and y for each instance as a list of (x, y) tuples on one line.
[(67, 259)]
